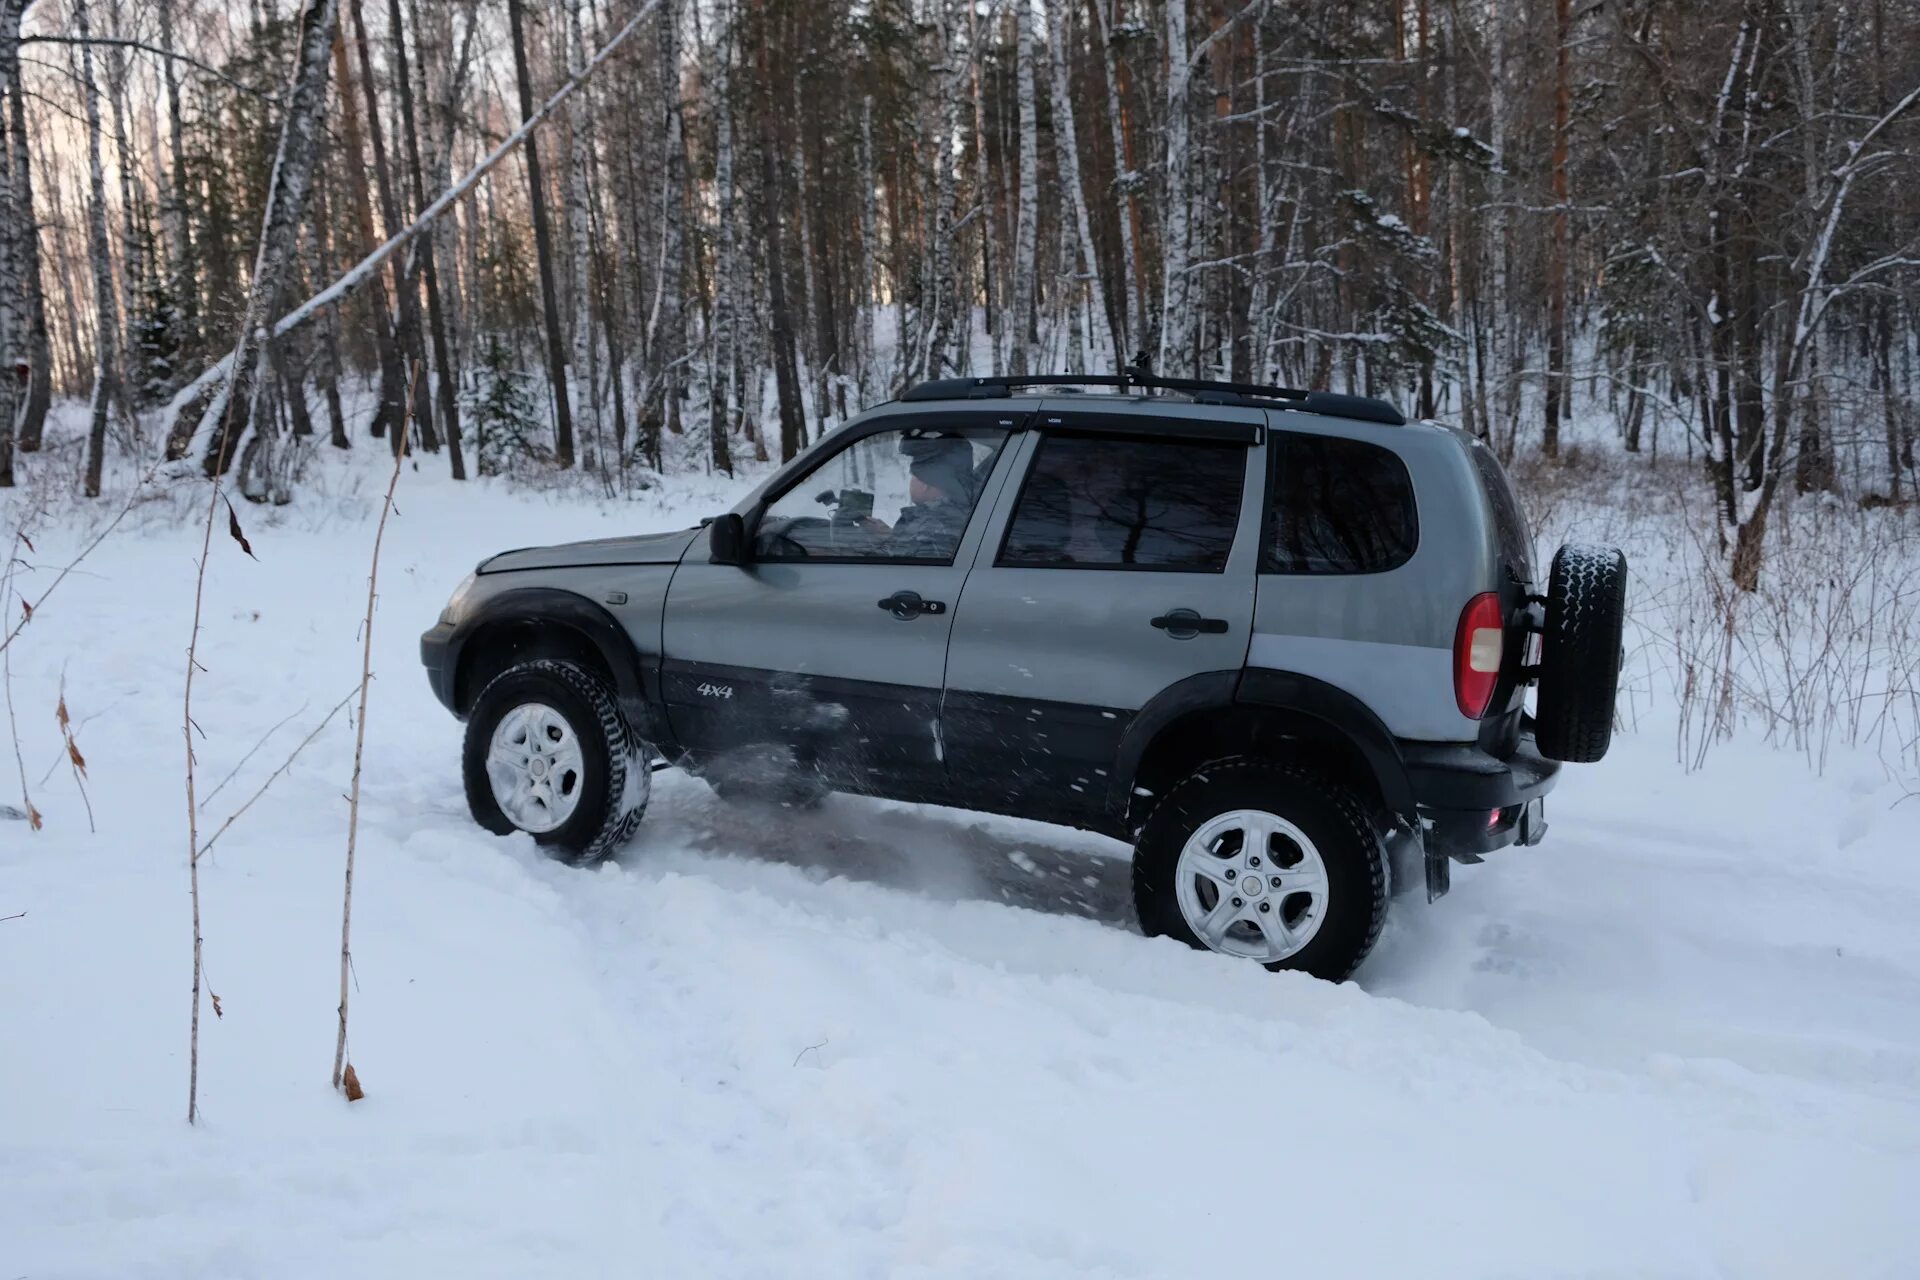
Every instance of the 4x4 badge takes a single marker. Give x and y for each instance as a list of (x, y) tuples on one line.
[(707, 690)]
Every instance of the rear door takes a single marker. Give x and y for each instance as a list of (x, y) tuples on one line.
[(1119, 562), (825, 653)]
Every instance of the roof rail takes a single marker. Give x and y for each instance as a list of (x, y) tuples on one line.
[(1332, 404)]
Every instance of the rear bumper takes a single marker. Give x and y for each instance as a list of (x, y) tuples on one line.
[(438, 657), (1472, 803)]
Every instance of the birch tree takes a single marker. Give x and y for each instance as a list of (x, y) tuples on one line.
[(666, 326), (1176, 306), (447, 377), (1066, 141), (227, 416), (16, 218), (543, 246), (721, 342), (1026, 243), (106, 311), (580, 124), (181, 292)]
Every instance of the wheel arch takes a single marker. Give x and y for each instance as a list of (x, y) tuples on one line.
[(547, 622), (1257, 712)]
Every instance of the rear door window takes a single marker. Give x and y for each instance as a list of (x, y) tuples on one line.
[(1101, 502), (1338, 506)]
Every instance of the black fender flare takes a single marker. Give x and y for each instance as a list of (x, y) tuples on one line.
[(569, 611), (1341, 712), (1207, 691)]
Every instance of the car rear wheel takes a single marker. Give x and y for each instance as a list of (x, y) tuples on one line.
[(1580, 653), (1265, 861), (549, 753)]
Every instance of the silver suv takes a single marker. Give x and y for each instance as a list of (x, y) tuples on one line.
[(1277, 640)]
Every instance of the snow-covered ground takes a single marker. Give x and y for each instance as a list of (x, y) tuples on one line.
[(1681, 1038)]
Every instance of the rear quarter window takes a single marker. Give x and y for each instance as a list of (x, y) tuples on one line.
[(1509, 520), (1337, 506)]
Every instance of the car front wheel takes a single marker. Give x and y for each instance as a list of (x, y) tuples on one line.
[(549, 752), (1264, 861)]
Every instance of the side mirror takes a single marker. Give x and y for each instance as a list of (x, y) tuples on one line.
[(727, 540)]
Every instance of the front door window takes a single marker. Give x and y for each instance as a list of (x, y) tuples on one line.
[(900, 497)]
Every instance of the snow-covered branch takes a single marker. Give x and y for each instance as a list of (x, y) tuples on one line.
[(361, 271)]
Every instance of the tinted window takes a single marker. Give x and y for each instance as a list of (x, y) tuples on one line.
[(1101, 503), (892, 495), (1339, 506), (1510, 525)]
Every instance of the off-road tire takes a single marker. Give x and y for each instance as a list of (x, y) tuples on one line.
[(617, 768), (1580, 653), (1334, 816)]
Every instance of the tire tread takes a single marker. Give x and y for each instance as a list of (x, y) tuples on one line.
[(1580, 653), (1352, 812), (620, 814)]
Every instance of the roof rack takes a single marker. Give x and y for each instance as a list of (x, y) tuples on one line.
[(1330, 403)]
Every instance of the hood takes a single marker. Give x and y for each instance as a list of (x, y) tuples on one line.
[(645, 548)]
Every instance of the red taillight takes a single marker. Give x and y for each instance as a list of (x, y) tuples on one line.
[(1477, 646)]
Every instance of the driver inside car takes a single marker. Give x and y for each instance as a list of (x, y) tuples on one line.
[(940, 491)]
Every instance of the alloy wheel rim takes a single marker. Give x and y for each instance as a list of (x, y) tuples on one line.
[(535, 767), (1251, 884)]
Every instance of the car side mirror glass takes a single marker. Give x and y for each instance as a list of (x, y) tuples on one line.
[(727, 540)]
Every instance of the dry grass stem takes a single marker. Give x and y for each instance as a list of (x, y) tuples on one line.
[(275, 775), (343, 1075)]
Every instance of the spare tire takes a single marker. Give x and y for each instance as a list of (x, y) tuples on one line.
[(1580, 653)]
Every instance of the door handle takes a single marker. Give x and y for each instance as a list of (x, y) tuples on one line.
[(1185, 624), (907, 605)]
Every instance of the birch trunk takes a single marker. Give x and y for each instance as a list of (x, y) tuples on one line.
[(721, 340), (1026, 230), (407, 311), (446, 377), (666, 326), (1258, 311), (1066, 142), (991, 298), (773, 199), (1813, 461), (390, 409), (106, 315), (16, 227), (1502, 409), (182, 287), (542, 245), (1558, 385), (1126, 208), (580, 117), (39, 347), (227, 416), (1176, 308), (132, 247), (868, 298), (938, 339), (319, 248)]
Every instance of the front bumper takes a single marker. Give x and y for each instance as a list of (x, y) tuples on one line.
[(438, 657), (1472, 803)]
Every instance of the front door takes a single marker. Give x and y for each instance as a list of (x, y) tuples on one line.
[(1123, 563), (824, 655)]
